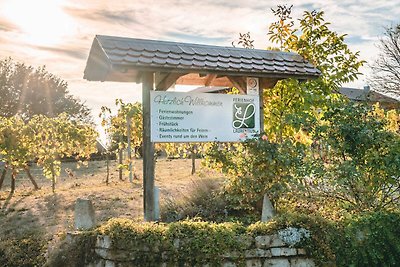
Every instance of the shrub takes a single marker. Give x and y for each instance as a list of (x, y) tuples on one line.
[(202, 201), (371, 239), (206, 201), (73, 251), (23, 251)]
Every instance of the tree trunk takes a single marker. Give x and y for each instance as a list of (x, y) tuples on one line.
[(3, 175), (53, 179), (28, 172), (193, 155), (120, 160), (108, 167), (53, 183), (13, 178)]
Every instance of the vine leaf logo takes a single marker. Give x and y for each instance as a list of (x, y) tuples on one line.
[(243, 116)]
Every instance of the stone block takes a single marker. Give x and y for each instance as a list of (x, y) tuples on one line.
[(114, 254), (99, 263), (110, 264), (277, 242), (102, 252), (72, 236), (103, 241), (84, 218), (253, 263), (257, 253), (246, 241), (301, 251), (269, 241), (177, 243), (228, 264), (263, 241), (276, 263), (277, 252), (300, 262), (231, 255)]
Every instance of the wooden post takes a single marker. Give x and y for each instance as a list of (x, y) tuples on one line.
[(128, 129), (148, 149), (261, 99)]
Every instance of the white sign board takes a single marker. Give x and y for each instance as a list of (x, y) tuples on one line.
[(189, 117)]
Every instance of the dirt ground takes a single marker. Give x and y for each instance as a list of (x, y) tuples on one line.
[(28, 210)]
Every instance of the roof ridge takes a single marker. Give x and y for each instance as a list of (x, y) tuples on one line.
[(193, 44)]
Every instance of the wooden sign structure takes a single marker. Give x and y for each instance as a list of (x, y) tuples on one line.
[(158, 65)]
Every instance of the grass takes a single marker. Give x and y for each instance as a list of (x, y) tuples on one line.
[(42, 211)]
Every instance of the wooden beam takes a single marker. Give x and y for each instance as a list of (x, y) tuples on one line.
[(239, 83), (165, 81), (210, 79), (196, 79), (261, 100), (266, 83), (159, 76), (148, 149)]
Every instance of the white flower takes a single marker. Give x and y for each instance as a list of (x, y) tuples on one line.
[(292, 235)]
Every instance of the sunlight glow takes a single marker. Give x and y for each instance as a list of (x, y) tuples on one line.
[(41, 22)]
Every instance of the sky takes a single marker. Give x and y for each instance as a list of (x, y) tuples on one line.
[(59, 33)]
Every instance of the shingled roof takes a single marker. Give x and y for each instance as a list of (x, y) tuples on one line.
[(122, 59)]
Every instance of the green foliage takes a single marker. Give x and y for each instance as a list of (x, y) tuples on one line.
[(194, 242), (16, 147), (255, 168), (368, 239), (46, 140), (55, 138), (325, 234), (307, 152), (28, 91), (23, 251), (357, 159), (116, 125), (371, 239), (148, 238), (291, 106), (204, 242), (318, 44)]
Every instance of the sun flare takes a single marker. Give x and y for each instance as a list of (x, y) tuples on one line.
[(40, 22)]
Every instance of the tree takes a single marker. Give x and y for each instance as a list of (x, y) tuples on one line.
[(116, 127), (291, 109), (55, 138), (16, 148), (386, 69), (46, 140), (292, 105), (28, 91), (360, 163)]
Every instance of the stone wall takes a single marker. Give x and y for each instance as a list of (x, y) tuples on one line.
[(261, 251)]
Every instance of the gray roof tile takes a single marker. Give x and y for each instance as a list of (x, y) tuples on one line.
[(108, 51), (159, 54)]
